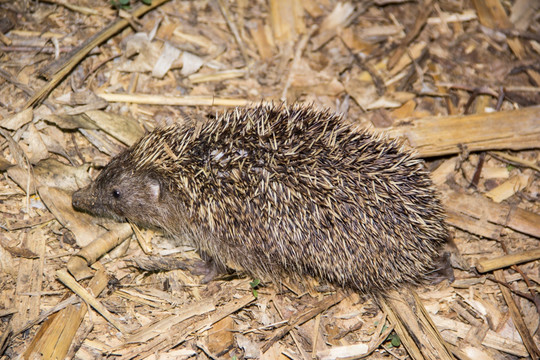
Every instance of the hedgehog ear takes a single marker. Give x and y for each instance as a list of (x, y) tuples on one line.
[(154, 188)]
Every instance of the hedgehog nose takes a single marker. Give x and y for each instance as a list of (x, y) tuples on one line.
[(77, 199)]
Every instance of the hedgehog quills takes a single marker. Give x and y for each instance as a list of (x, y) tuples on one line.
[(277, 190)]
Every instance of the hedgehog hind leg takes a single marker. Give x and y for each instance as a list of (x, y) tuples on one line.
[(208, 268), (443, 270)]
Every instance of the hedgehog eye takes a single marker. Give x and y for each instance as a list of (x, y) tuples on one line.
[(116, 194)]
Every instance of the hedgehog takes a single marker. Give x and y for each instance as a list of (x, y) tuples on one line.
[(276, 191)]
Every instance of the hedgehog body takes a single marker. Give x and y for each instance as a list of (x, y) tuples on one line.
[(278, 190)]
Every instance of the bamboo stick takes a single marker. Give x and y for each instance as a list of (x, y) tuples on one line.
[(443, 135), (507, 260)]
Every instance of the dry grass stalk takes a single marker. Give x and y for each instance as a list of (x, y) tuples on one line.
[(60, 69), (232, 26), (301, 318), (174, 100), (528, 341), (218, 76), (30, 223), (425, 9)]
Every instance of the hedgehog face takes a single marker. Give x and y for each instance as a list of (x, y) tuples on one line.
[(122, 193)]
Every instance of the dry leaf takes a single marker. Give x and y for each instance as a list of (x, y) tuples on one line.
[(82, 225), (168, 56), (17, 120), (20, 252), (34, 148), (146, 53), (191, 63), (123, 128), (508, 188)]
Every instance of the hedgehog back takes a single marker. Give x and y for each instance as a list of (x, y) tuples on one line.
[(278, 190)]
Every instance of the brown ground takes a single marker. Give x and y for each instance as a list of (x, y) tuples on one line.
[(382, 64)]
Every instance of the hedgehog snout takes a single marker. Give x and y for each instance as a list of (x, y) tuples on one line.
[(83, 199)]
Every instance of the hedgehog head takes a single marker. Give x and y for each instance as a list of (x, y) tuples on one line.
[(122, 191)]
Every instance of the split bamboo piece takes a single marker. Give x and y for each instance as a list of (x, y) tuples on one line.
[(481, 216), (179, 332), (509, 188), (453, 331), (286, 19), (55, 336), (162, 326), (414, 326), (491, 14), (29, 278), (78, 264), (507, 260), (89, 298), (442, 135)]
